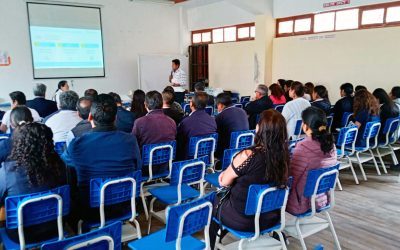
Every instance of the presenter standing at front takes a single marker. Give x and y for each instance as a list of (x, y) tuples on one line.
[(178, 76)]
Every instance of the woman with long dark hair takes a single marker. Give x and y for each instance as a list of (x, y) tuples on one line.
[(137, 106), (266, 162), (316, 151), (33, 166), (277, 94), (388, 109)]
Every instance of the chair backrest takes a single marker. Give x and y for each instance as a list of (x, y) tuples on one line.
[(347, 139), (320, 181), (390, 130), (203, 145), (106, 238), (156, 154), (242, 139), (105, 192), (298, 129), (371, 133), (229, 154), (263, 199), (244, 99), (279, 108), (37, 208), (59, 147), (329, 119), (4, 136), (346, 118), (189, 218), (209, 110), (186, 108), (238, 105)]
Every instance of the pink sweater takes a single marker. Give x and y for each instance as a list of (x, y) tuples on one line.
[(278, 101), (306, 156)]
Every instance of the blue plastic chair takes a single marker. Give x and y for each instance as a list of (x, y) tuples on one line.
[(186, 108), (4, 136), (319, 181), (345, 145), (59, 147), (245, 99), (346, 119), (35, 209), (184, 175), (238, 105), (182, 221), (106, 238), (113, 191), (391, 133), (330, 122), (203, 146), (210, 110), (229, 154), (242, 139), (279, 108), (261, 199), (364, 152), (298, 134)]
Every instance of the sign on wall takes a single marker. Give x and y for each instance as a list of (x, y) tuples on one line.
[(337, 3), (5, 59)]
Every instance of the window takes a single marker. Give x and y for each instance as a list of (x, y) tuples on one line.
[(244, 32), (196, 38), (373, 16), (347, 19), (218, 35), (286, 27), (230, 34), (253, 31), (324, 22), (302, 25), (393, 14), (240, 32), (206, 37)]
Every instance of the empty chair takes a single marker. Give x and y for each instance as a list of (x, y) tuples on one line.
[(279, 108), (34, 210), (345, 144), (391, 135), (210, 110), (203, 146), (182, 221), (319, 181), (242, 139), (244, 99), (106, 238), (261, 199)]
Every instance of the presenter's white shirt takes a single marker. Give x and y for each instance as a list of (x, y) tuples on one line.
[(179, 77), (61, 123), (7, 118)]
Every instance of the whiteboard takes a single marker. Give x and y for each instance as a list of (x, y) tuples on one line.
[(154, 70)]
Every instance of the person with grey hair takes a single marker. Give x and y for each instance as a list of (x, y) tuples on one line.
[(64, 120), (261, 102), (43, 106)]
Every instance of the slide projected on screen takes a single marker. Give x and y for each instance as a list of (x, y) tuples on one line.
[(66, 41)]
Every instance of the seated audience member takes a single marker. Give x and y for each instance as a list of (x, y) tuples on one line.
[(229, 119), (321, 99), (395, 95), (316, 151), (308, 91), (281, 83), (277, 95), (92, 93), (366, 109), (286, 88), (125, 119), (155, 127), (39, 103), (198, 123), (168, 101), (360, 87), (33, 166), (19, 116), (388, 109), (62, 87), (137, 106), (175, 105), (345, 104), (256, 107), (66, 118), (17, 99), (83, 106), (292, 110), (201, 87), (103, 152), (265, 163)]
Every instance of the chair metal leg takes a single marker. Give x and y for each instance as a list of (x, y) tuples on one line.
[(361, 166), (283, 242), (303, 243), (381, 160), (146, 212), (80, 222), (151, 211), (375, 163), (393, 154), (337, 243), (353, 172), (137, 226), (339, 184)]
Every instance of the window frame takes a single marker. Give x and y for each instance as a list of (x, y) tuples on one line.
[(238, 26)]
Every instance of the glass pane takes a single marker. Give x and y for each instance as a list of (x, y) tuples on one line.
[(206, 37), (218, 35), (302, 25), (230, 34), (286, 27), (253, 31), (197, 38), (393, 14), (373, 16), (244, 32), (324, 22), (347, 19)]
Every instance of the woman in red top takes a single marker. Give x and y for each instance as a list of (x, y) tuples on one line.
[(277, 94)]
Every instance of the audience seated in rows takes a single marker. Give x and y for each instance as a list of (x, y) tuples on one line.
[(266, 162), (388, 109), (395, 95), (292, 110), (308, 91), (277, 94), (345, 104), (64, 120), (175, 105), (198, 123), (63, 86), (104, 152), (316, 151), (229, 119), (125, 119), (43, 106), (321, 99), (201, 87), (168, 102), (17, 98), (83, 106), (262, 102), (33, 166), (137, 106)]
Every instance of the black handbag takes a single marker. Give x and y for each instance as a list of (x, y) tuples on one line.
[(222, 195)]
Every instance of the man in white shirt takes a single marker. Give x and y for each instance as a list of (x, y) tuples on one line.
[(293, 109), (17, 99), (62, 121), (178, 76)]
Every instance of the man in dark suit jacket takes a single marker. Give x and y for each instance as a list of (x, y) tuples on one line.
[(256, 107), (39, 103), (125, 119)]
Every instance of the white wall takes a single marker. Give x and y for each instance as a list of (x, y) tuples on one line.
[(368, 57), (129, 29)]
